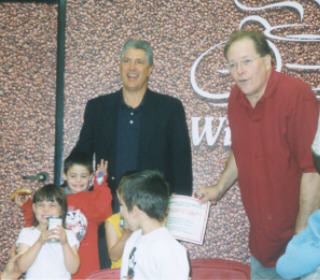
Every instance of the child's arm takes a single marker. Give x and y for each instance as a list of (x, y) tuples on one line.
[(102, 171), (71, 257), (100, 197), (27, 254), (116, 244), (24, 201)]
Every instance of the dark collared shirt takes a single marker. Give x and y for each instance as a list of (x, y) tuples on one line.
[(128, 131)]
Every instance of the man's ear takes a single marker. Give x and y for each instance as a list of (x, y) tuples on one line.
[(268, 61), (150, 70)]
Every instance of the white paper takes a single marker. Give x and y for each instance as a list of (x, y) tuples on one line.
[(187, 218)]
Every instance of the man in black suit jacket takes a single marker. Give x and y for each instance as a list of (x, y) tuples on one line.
[(136, 129)]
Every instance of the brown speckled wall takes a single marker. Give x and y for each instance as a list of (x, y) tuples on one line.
[(27, 104), (180, 33)]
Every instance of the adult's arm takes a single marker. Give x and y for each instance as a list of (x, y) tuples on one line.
[(316, 161), (302, 129), (227, 179), (316, 148), (85, 141), (180, 152), (309, 200)]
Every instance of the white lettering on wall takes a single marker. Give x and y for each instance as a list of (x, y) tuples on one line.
[(208, 131), (292, 32)]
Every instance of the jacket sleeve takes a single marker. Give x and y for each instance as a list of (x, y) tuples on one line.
[(85, 142), (27, 213), (180, 151)]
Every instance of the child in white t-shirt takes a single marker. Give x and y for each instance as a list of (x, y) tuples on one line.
[(44, 253), (150, 252)]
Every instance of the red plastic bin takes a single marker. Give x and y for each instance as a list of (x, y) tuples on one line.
[(205, 269), (201, 269)]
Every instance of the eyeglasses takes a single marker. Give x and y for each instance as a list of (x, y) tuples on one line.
[(246, 62), (131, 263)]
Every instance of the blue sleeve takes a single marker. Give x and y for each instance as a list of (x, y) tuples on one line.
[(302, 255)]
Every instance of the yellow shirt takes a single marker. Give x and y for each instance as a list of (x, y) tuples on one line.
[(114, 220)]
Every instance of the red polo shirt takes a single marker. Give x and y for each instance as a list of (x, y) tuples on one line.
[(272, 148)]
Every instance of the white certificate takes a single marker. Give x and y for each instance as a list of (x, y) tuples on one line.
[(187, 218)]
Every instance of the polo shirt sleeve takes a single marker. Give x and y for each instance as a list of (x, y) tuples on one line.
[(302, 126)]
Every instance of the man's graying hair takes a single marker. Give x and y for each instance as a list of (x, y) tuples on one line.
[(140, 45)]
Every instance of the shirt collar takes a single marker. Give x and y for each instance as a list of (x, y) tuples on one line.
[(123, 105), (269, 91)]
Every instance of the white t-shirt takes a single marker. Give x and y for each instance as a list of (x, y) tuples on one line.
[(157, 255), (49, 263)]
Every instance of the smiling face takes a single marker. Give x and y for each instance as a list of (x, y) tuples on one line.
[(134, 71), (249, 70), (78, 178), (44, 209)]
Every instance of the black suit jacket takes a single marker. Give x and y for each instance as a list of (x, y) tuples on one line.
[(164, 142)]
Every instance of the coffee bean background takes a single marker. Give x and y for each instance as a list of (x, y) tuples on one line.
[(179, 31)]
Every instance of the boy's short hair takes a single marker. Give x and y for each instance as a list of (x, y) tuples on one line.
[(51, 192), (80, 159), (148, 190)]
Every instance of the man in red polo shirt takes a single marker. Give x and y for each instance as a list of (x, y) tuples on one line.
[(273, 119)]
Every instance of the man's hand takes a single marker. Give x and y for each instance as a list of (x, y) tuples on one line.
[(211, 194)]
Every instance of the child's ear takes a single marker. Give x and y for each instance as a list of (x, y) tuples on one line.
[(64, 176), (33, 207), (136, 210)]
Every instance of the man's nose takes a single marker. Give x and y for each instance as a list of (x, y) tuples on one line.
[(239, 67), (132, 64)]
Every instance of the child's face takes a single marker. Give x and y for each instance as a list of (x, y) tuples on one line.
[(44, 209), (78, 178), (130, 217)]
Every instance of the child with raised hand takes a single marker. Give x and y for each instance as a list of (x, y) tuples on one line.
[(39, 256), (88, 207), (150, 252)]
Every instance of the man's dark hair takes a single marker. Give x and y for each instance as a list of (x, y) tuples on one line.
[(260, 42), (148, 190), (80, 159), (51, 192)]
